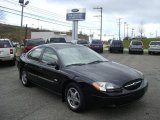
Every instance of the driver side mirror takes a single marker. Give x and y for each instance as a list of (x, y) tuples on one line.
[(55, 64)]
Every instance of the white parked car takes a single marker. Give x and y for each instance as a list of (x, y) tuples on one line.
[(154, 47), (136, 46), (7, 51)]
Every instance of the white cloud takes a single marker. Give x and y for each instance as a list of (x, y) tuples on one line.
[(133, 12)]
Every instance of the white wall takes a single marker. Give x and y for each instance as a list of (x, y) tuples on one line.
[(48, 35)]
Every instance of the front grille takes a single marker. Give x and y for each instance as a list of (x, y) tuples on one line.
[(132, 85)]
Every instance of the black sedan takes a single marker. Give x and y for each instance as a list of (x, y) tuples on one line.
[(80, 75)]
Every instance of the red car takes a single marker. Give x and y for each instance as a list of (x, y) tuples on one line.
[(30, 43)]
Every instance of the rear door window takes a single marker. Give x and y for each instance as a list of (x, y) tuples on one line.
[(35, 54), (49, 56), (5, 44)]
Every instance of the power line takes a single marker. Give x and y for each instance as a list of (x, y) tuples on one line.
[(43, 20), (37, 17), (44, 12), (34, 18)]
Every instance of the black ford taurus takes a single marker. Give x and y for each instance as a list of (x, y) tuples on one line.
[(80, 75)]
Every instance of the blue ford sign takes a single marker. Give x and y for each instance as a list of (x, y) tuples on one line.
[(75, 14)]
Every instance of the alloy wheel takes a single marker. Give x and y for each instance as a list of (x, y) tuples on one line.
[(73, 98), (24, 78)]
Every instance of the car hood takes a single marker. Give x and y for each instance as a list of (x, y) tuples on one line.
[(106, 72)]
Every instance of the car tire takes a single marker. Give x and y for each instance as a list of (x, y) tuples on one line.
[(75, 98), (122, 51), (101, 51), (150, 53), (142, 52), (110, 50), (24, 78)]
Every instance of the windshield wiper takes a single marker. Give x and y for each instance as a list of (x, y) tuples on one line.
[(96, 61), (78, 64)]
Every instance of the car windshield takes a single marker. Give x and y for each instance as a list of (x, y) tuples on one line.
[(35, 42), (79, 55), (136, 43), (82, 42), (96, 42), (57, 40), (155, 43), (117, 42), (4, 44)]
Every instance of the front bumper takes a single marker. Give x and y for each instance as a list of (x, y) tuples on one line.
[(119, 98)]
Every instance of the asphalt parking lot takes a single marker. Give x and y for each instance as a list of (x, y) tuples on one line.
[(34, 103)]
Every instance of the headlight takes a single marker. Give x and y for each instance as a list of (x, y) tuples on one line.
[(105, 86)]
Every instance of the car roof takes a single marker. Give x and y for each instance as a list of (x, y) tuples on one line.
[(61, 45), (35, 39), (4, 39)]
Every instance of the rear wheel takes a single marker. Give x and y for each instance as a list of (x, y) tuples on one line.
[(101, 51), (75, 98), (24, 78), (142, 52), (110, 50)]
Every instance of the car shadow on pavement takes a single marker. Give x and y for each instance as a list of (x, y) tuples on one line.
[(5, 64)]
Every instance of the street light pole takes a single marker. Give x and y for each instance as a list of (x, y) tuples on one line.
[(101, 22), (23, 5), (22, 15), (124, 29), (119, 23), (127, 31)]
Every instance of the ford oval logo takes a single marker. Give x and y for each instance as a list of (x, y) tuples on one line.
[(75, 10)]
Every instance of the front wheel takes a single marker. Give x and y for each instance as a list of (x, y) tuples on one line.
[(24, 78), (75, 98)]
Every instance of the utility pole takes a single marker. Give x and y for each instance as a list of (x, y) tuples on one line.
[(124, 29), (156, 33), (26, 32), (127, 30), (23, 5), (132, 32), (101, 22), (119, 23)]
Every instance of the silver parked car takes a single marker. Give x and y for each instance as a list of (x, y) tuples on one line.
[(7, 51), (136, 46), (154, 47)]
